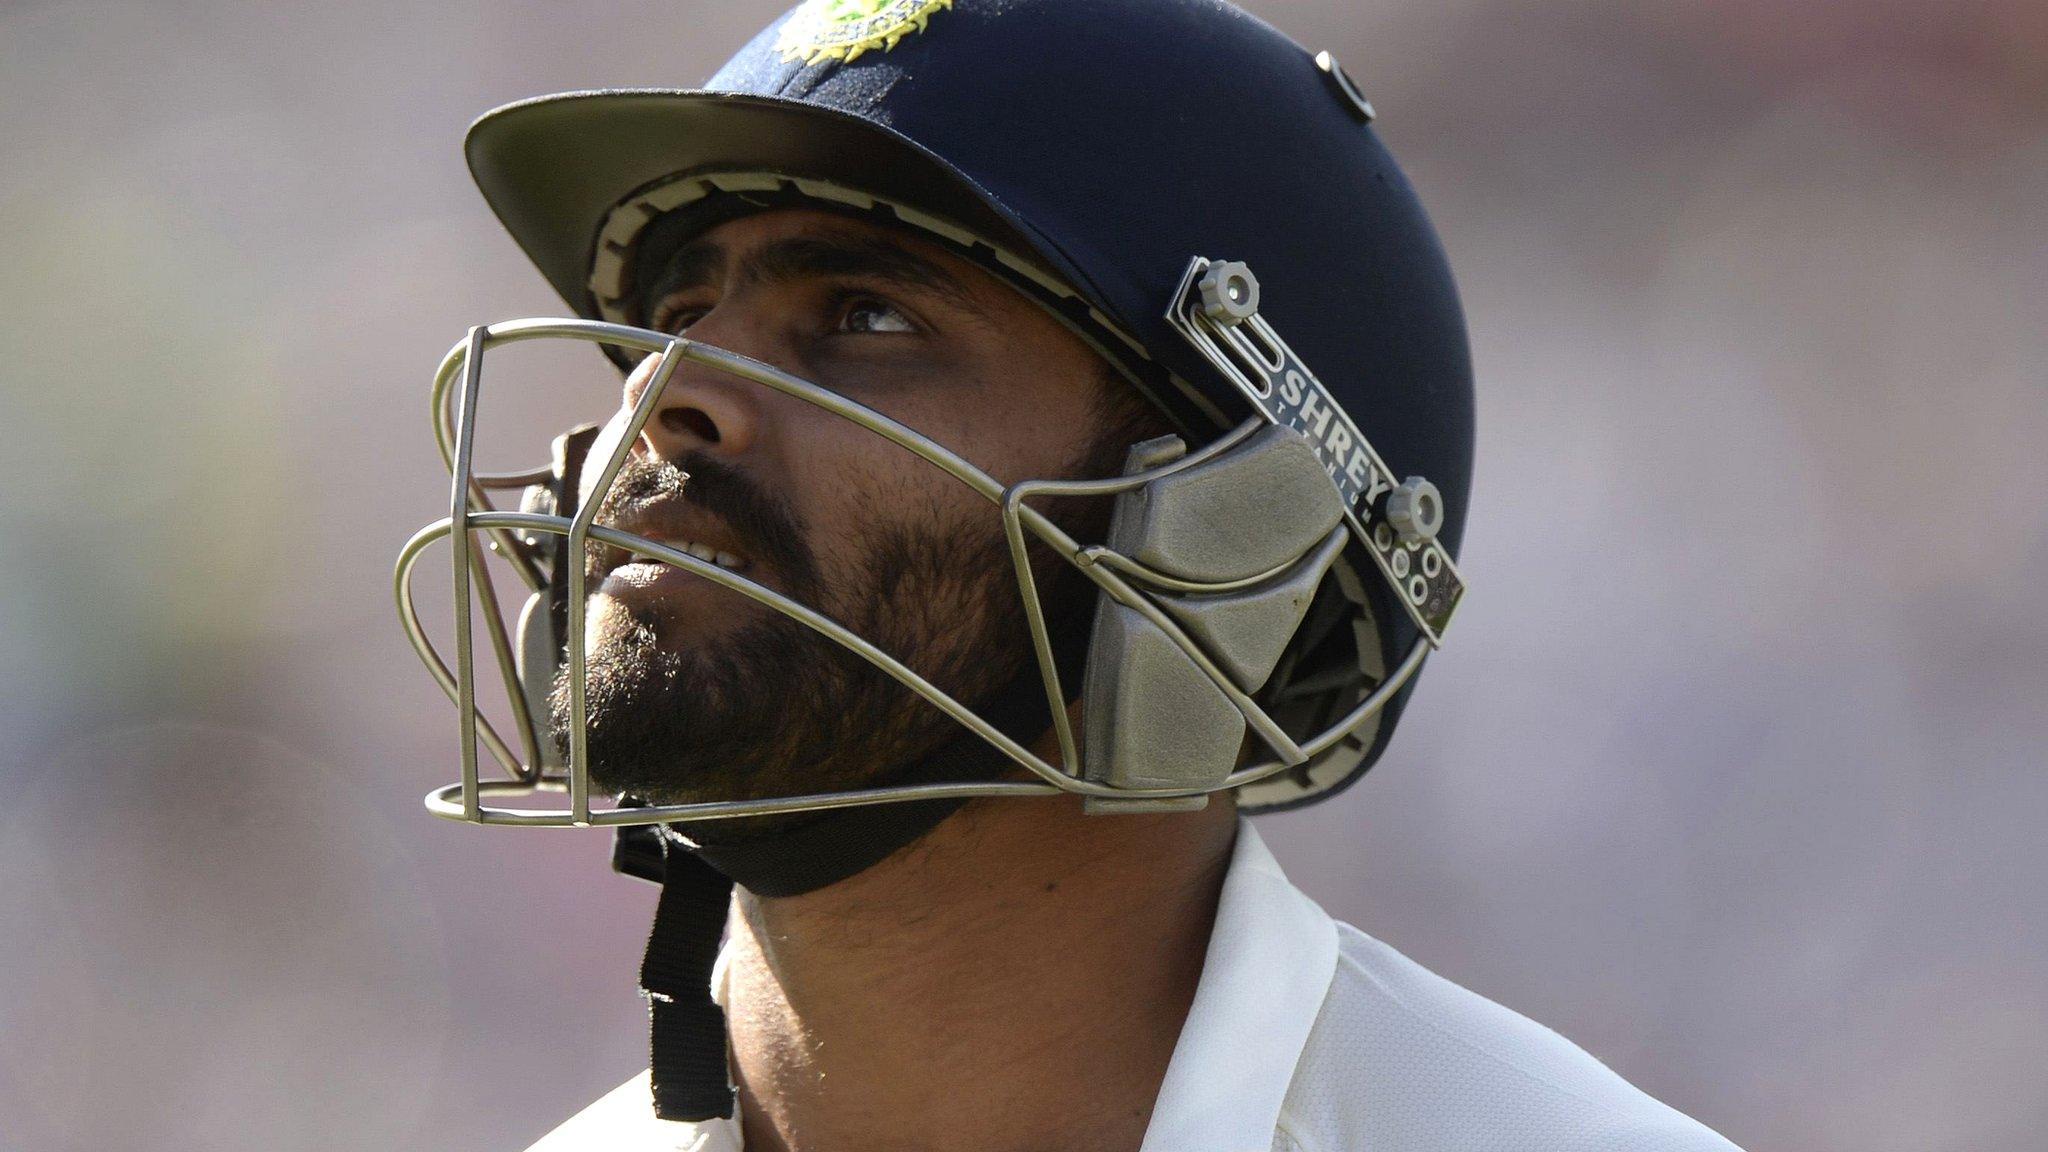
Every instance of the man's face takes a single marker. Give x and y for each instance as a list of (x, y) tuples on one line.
[(695, 692)]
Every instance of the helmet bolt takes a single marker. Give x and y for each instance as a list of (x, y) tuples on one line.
[(1416, 510), (1346, 87), (1230, 294)]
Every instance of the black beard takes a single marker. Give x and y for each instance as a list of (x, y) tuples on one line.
[(777, 709)]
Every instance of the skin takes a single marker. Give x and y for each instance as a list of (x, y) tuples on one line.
[(1015, 980), (819, 509)]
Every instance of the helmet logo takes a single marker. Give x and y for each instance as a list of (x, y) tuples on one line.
[(843, 29), (1216, 308)]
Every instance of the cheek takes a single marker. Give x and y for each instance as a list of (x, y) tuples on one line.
[(861, 492), (1023, 414), (1023, 424)]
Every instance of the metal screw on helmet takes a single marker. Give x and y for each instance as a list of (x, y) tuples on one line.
[(1230, 293), (1346, 87), (1416, 510)]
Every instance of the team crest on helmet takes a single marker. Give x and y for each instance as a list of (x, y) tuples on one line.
[(843, 29)]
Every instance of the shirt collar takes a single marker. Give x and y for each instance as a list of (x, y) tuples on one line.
[(1270, 961)]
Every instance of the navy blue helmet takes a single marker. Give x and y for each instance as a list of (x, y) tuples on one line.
[(1201, 198)]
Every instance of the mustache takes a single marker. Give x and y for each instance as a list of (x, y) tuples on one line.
[(647, 492)]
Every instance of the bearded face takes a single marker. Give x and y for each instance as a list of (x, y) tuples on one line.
[(695, 692), (770, 707)]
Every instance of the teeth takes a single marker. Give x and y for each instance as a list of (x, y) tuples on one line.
[(707, 554)]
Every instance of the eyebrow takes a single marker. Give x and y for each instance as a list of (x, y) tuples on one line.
[(808, 258)]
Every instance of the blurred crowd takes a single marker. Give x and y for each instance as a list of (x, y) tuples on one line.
[(1731, 770)]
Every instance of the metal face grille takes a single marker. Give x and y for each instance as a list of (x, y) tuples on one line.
[(475, 524)]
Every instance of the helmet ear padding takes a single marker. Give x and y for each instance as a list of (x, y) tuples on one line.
[(1246, 632), (1152, 719), (1264, 511), (1250, 510)]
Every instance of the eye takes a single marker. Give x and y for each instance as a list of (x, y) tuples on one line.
[(868, 315), (676, 320)]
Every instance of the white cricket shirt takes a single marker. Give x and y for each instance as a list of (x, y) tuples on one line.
[(1307, 1035)]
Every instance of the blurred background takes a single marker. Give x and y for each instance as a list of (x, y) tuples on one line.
[(1732, 772)]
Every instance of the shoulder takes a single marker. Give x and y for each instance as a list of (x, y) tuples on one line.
[(1402, 1060)]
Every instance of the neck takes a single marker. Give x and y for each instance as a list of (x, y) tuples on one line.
[(1016, 979)]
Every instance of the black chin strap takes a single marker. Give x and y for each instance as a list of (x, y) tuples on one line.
[(688, 1072), (838, 845)]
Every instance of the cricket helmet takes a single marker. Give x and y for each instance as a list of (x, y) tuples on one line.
[(1206, 203)]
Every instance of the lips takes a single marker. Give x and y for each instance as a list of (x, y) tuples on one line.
[(662, 524)]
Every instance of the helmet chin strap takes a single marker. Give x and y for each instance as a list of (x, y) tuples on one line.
[(687, 1071), (697, 864)]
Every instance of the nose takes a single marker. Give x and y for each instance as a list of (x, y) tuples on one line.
[(701, 410)]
